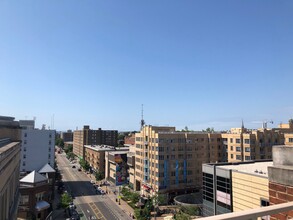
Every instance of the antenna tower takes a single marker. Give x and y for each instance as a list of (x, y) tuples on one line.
[(142, 122)]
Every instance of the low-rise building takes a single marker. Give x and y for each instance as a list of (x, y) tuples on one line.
[(232, 187), (35, 197), (95, 156), (116, 167)]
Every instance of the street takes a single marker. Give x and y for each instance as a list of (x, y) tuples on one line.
[(87, 201)]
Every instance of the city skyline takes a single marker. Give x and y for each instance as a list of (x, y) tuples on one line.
[(195, 63)]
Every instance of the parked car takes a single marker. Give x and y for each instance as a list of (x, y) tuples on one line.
[(93, 182)]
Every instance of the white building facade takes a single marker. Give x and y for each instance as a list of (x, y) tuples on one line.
[(37, 149)]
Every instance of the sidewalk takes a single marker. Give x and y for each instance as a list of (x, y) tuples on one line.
[(123, 205), (58, 214)]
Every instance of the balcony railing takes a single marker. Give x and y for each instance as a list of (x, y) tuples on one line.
[(253, 214)]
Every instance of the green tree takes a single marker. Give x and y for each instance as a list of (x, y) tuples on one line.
[(209, 130), (70, 155), (65, 200), (134, 197), (99, 176), (181, 216), (59, 142), (84, 164)]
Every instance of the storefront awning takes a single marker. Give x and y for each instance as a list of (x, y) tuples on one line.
[(42, 205)]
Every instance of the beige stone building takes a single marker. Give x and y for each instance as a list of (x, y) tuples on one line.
[(288, 139), (9, 167), (233, 187), (243, 144), (170, 162)]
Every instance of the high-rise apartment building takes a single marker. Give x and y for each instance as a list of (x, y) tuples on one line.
[(87, 136), (9, 167), (170, 162), (67, 136)]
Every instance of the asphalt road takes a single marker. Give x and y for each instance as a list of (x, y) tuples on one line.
[(88, 202)]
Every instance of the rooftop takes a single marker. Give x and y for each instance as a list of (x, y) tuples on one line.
[(100, 147), (256, 168), (33, 177), (46, 169)]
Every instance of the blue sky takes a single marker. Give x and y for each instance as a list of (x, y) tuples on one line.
[(191, 63)]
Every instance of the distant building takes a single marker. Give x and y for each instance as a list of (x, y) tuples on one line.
[(243, 144), (37, 149), (129, 139), (9, 167), (67, 136), (232, 187), (27, 124), (87, 136), (288, 139)]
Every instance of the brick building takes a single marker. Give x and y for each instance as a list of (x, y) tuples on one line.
[(281, 179)]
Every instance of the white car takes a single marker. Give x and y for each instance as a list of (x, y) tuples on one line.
[(102, 192), (93, 182)]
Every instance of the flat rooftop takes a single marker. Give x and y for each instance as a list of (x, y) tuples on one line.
[(256, 168), (100, 147), (118, 152)]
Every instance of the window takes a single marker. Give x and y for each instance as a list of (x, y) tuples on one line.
[(24, 149), (247, 149), (238, 157), (238, 149), (246, 141), (50, 135), (39, 196), (24, 156), (49, 142), (247, 158), (25, 134), (231, 140), (24, 199), (232, 156), (231, 148), (238, 141), (24, 142), (290, 140)]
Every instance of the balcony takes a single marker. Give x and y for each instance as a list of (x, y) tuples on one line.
[(253, 214)]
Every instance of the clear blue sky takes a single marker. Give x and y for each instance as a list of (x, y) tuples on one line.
[(195, 63)]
